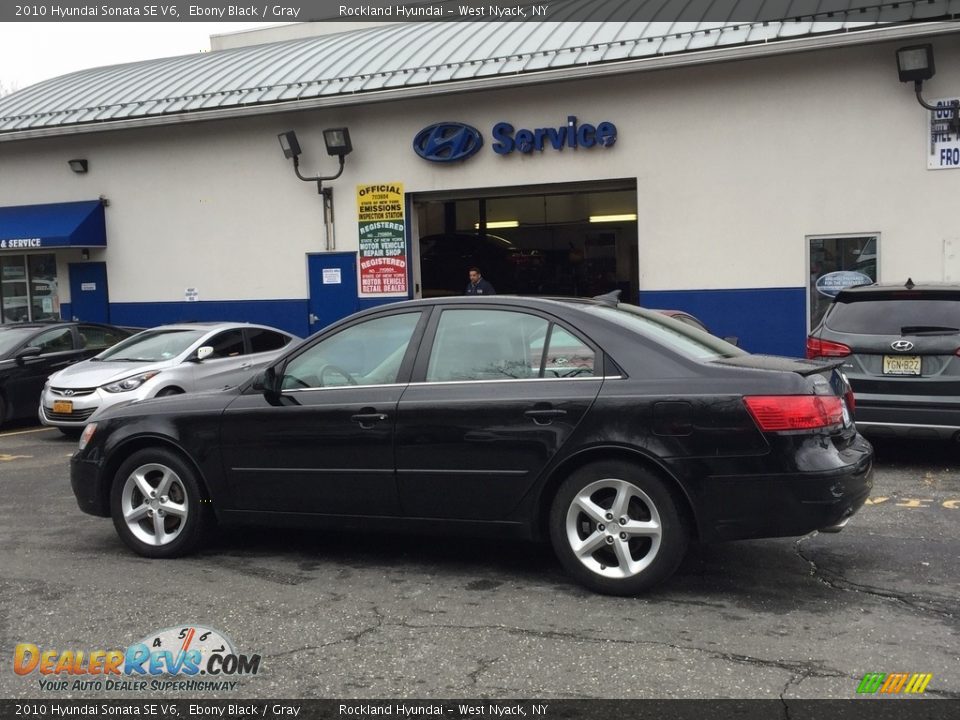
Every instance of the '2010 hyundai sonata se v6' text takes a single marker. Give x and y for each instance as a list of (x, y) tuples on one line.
[(617, 433)]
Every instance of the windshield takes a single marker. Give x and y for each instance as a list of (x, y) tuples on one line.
[(676, 335), (10, 339), (902, 315), (152, 346)]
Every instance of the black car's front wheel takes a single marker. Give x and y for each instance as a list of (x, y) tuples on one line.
[(617, 528), (155, 504)]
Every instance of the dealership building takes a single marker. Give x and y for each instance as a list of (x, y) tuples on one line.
[(741, 171)]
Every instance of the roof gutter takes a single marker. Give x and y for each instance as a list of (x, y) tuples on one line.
[(566, 74)]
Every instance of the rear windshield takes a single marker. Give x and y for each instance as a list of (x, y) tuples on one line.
[(676, 335), (865, 316)]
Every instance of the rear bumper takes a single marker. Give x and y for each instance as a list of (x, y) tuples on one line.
[(789, 505), (908, 416)]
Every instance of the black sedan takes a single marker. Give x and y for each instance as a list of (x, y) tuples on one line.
[(616, 432), (30, 352)]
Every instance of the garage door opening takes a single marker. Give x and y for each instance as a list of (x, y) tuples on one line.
[(565, 240)]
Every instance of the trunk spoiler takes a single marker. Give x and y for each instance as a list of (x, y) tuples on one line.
[(776, 362)]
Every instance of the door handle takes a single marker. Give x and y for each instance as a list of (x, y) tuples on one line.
[(544, 416), (368, 417)]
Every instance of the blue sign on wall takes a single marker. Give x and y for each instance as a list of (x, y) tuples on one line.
[(446, 142), (570, 135)]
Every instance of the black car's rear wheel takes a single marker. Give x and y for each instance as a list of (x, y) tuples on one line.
[(617, 528), (155, 504)]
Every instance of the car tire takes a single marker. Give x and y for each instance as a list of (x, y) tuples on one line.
[(72, 433), (161, 525), (618, 528)]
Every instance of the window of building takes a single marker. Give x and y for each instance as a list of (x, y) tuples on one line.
[(29, 288), (836, 262)]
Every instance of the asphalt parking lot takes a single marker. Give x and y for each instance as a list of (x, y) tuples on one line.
[(366, 616)]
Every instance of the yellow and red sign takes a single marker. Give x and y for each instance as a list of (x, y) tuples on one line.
[(383, 245)]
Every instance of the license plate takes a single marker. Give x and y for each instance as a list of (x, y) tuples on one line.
[(901, 364), (63, 406)]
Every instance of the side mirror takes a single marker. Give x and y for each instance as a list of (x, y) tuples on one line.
[(204, 352), (268, 382), (27, 352)]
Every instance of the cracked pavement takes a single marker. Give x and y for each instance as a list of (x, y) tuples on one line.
[(356, 615)]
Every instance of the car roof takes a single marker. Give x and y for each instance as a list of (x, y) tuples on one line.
[(211, 326), (35, 325)]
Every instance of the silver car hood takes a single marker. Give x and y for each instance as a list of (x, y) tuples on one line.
[(94, 373)]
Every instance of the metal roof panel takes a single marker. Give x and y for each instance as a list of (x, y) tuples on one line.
[(407, 55)]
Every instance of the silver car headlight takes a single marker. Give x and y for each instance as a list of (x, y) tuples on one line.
[(130, 383)]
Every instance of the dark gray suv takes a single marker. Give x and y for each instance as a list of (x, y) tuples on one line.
[(902, 351)]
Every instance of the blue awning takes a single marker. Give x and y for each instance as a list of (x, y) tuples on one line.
[(71, 224)]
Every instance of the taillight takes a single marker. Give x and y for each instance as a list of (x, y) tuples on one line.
[(794, 412), (824, 348), (851, 400)]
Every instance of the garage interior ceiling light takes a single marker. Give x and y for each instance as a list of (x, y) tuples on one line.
[(496, 224), (613, 218)]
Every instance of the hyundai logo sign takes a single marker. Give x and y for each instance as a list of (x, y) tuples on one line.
[(901, 345), (447, 142)]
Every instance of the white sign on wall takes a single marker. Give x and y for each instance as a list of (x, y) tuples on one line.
[(332, 276), (191, 295), (944, 144)]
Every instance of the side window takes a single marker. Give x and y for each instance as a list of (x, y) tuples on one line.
[(369, 353), (98, 338), (265, 340), (568, 356), (54, 341), (485, 345), (227, 344)]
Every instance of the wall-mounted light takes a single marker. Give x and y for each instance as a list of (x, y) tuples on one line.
[(79, 166), (85, 254), (497, 224), (623, 217), (338, 143), (915, 64)]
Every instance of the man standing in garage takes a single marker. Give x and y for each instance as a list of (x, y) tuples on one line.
[(477, 285)]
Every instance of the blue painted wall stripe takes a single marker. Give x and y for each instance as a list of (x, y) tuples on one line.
[(767, 320)]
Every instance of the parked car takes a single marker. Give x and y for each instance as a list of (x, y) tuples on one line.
[(899, 346), (166, 360), (617, 433), (29, 352)]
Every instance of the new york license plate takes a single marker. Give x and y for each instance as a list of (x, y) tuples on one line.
[(63, 406), (901, 364)]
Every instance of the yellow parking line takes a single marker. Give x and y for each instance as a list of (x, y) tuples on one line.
[(25, 432)]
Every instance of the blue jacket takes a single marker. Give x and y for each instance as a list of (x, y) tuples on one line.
[(481, 288)]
